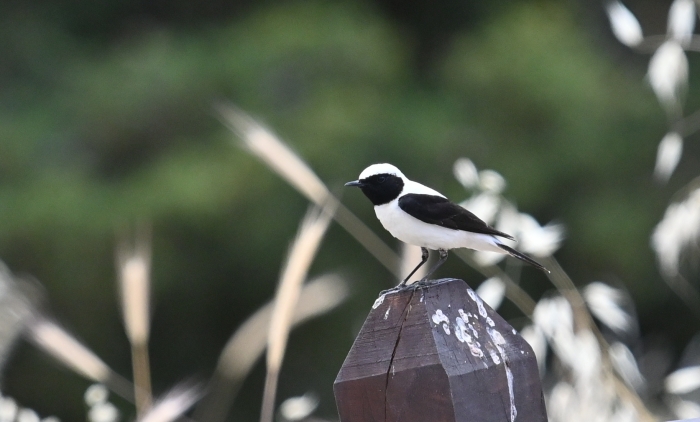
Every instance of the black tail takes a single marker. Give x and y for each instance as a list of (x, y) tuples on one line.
[(521, 256)]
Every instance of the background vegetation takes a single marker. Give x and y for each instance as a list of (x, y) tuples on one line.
[(106, 118)]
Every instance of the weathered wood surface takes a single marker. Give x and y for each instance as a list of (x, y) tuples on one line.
[(438, 354)]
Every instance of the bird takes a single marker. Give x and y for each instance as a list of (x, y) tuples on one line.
[(421, 216)]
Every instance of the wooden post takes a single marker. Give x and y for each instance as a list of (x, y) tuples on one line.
[(438, 354)]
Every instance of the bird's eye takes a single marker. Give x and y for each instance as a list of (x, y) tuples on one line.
[(381, 179)]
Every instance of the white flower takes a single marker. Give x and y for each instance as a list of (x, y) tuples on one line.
[(27, 415), (298, 408), (604, 302), (491, 181), (624, 363), (540, 241), (535, 338), (553, 315), (685, 409), (683, 380), (563, 402), (96, 393), (578, 351), (484, 205), (668, 73), (678, 229), (103, 412), (8, 409), (492, 292), (465, 172), (509, 221), (486, 259), (668, 156), (624, 25), (582, 354), (681, 20)]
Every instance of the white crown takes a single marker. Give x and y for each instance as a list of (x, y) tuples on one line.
[(383, 168)]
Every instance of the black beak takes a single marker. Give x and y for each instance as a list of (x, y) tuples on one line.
[(354, 183)]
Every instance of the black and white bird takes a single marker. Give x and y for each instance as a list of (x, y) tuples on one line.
[(421, 216)]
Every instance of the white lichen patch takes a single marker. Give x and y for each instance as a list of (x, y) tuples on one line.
[(490, 322), (496, 337), (479, 303), (514, 332), (473, 330), (439, 317), (463, 315), (379, 301), (386, 314), (499, 341), (462, 334), (494, 357), (475, 349), (461, 331), (513, 410)]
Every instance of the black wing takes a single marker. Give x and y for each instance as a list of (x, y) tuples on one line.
[(440, 211)]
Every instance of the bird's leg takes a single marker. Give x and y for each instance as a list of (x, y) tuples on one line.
[(443, 258), (424, 259)]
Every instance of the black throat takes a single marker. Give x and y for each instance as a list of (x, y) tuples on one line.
[(382, 188)]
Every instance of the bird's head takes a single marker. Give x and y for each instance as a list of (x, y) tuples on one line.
[(381, 183)]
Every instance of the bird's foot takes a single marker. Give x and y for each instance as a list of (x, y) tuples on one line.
[(420, 284), (399, 288), (428, 282), (402, 287)]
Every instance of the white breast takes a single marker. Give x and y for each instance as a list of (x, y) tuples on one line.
[(415, 232)]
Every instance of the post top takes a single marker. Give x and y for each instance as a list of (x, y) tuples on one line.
[(438, 352)]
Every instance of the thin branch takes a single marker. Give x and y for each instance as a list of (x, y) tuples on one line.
[(133, 264), (279, 157), (301, 255)]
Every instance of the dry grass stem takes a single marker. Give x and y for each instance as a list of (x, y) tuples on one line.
[(368, 239), (134, 264), (584, 321), (173, 405), (301, 254), (16, 310), (560, 279), (277, 155), (248, 343), (66, 349), (265, 145), (141, 368)]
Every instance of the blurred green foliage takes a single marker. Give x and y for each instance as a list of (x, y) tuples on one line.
[(106, 119)]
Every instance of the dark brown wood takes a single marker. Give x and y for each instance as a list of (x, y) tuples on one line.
[(437, 354)]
